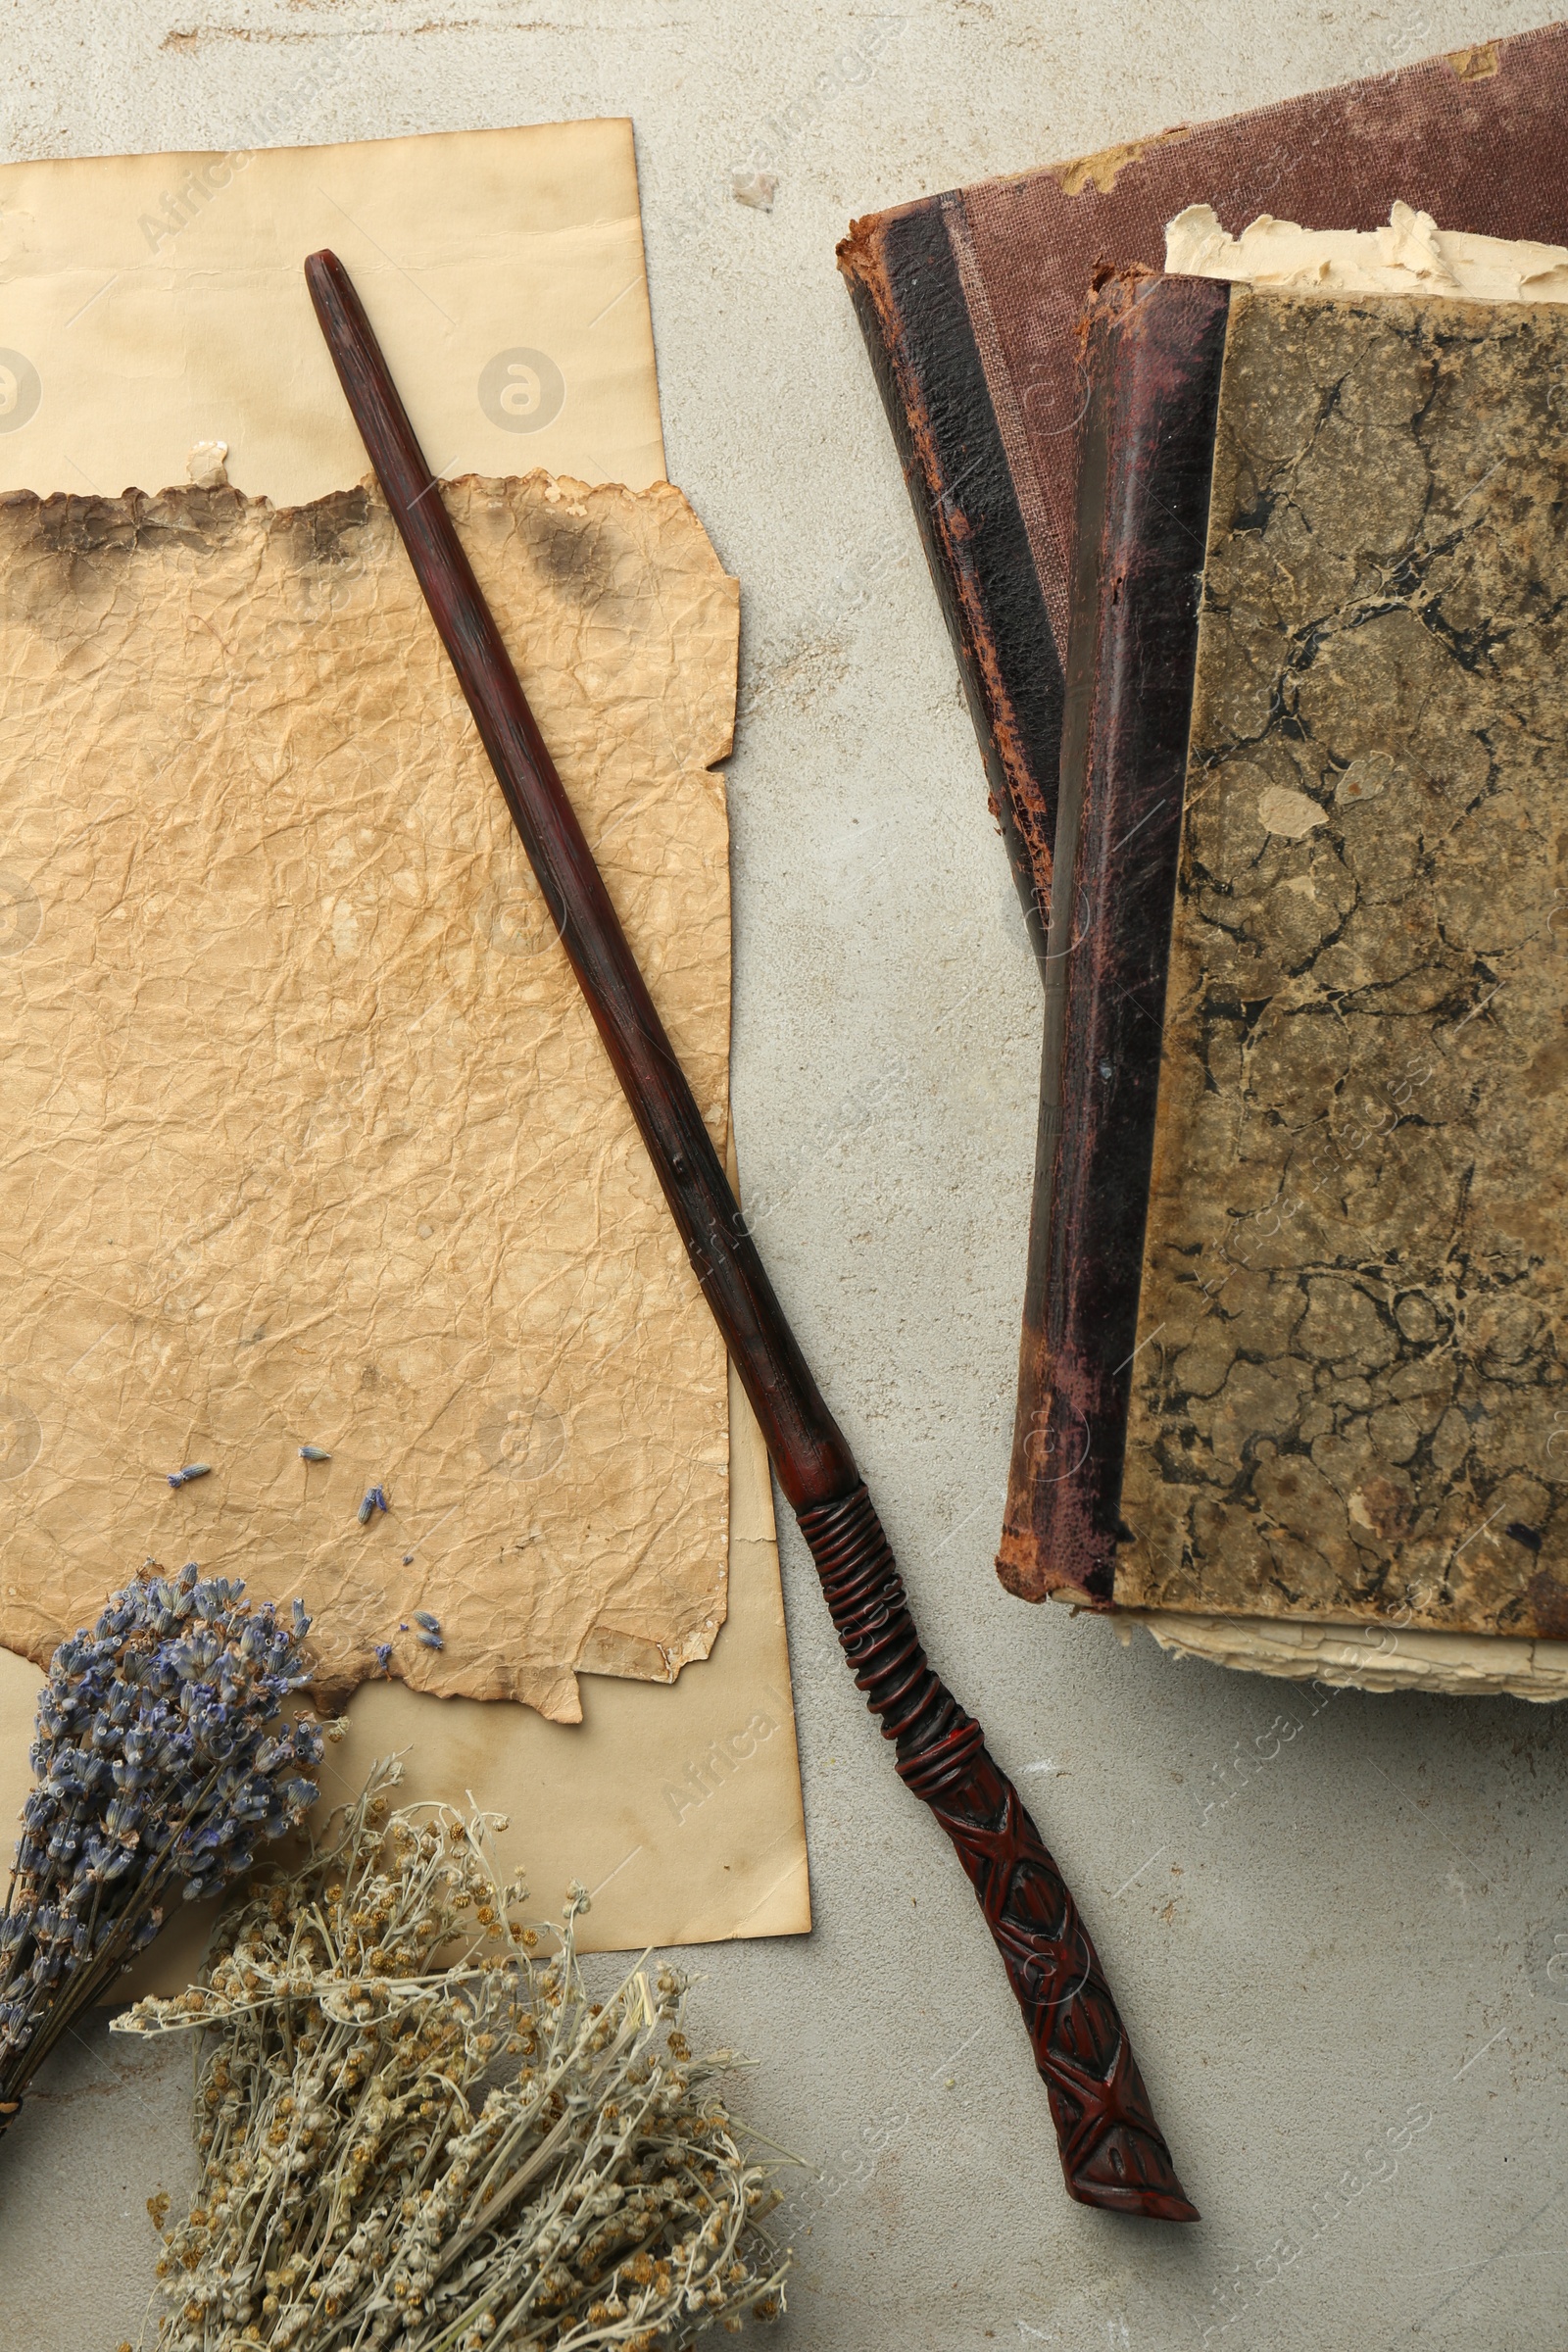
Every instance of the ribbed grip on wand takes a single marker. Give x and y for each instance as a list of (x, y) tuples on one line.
[(1112, 2151)]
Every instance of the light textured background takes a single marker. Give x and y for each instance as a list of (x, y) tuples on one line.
[(1320, 1935)]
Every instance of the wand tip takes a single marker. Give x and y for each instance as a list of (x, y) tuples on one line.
[(325, 276)]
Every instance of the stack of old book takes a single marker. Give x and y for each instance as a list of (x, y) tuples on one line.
[(1240, 456)]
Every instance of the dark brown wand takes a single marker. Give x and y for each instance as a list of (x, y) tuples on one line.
[(1112, 2151)]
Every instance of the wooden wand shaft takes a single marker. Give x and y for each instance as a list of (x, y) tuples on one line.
[(1112, 2151)]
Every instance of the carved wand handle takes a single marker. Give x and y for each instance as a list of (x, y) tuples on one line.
[(1112, 2151)]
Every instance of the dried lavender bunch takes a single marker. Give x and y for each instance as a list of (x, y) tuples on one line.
[(368, 2181), (162, 1761)]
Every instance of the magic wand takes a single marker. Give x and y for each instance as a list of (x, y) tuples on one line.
[(1112, 2151)]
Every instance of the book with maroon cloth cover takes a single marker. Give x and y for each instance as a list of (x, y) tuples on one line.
[(970, 303)]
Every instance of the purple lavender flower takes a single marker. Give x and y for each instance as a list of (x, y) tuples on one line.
[(375, 1500), (161, 1758)]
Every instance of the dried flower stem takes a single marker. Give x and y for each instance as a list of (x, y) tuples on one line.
[(363, 2188)]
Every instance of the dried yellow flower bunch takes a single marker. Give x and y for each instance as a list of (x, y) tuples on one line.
[(376, 2170)]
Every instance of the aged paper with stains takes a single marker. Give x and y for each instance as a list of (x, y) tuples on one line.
[(1351, 1399), (154, 301), (679, 1803), (679, 1809), (313, 1138)]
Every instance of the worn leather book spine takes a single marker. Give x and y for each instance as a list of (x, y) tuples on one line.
[(905, 282), (1153, 364)]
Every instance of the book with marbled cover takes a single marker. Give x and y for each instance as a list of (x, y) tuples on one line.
[(1334, 1380)]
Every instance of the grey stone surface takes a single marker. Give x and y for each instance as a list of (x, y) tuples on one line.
[(1328, 1939)]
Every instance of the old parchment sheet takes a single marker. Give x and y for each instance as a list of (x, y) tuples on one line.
[(313, 1138), (684, 1799), (153, 301)]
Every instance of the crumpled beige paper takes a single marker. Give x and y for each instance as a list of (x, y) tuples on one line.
[(310, 1137), (154, 301)]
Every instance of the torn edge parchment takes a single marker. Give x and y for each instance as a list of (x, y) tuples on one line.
[(312, 1141)]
